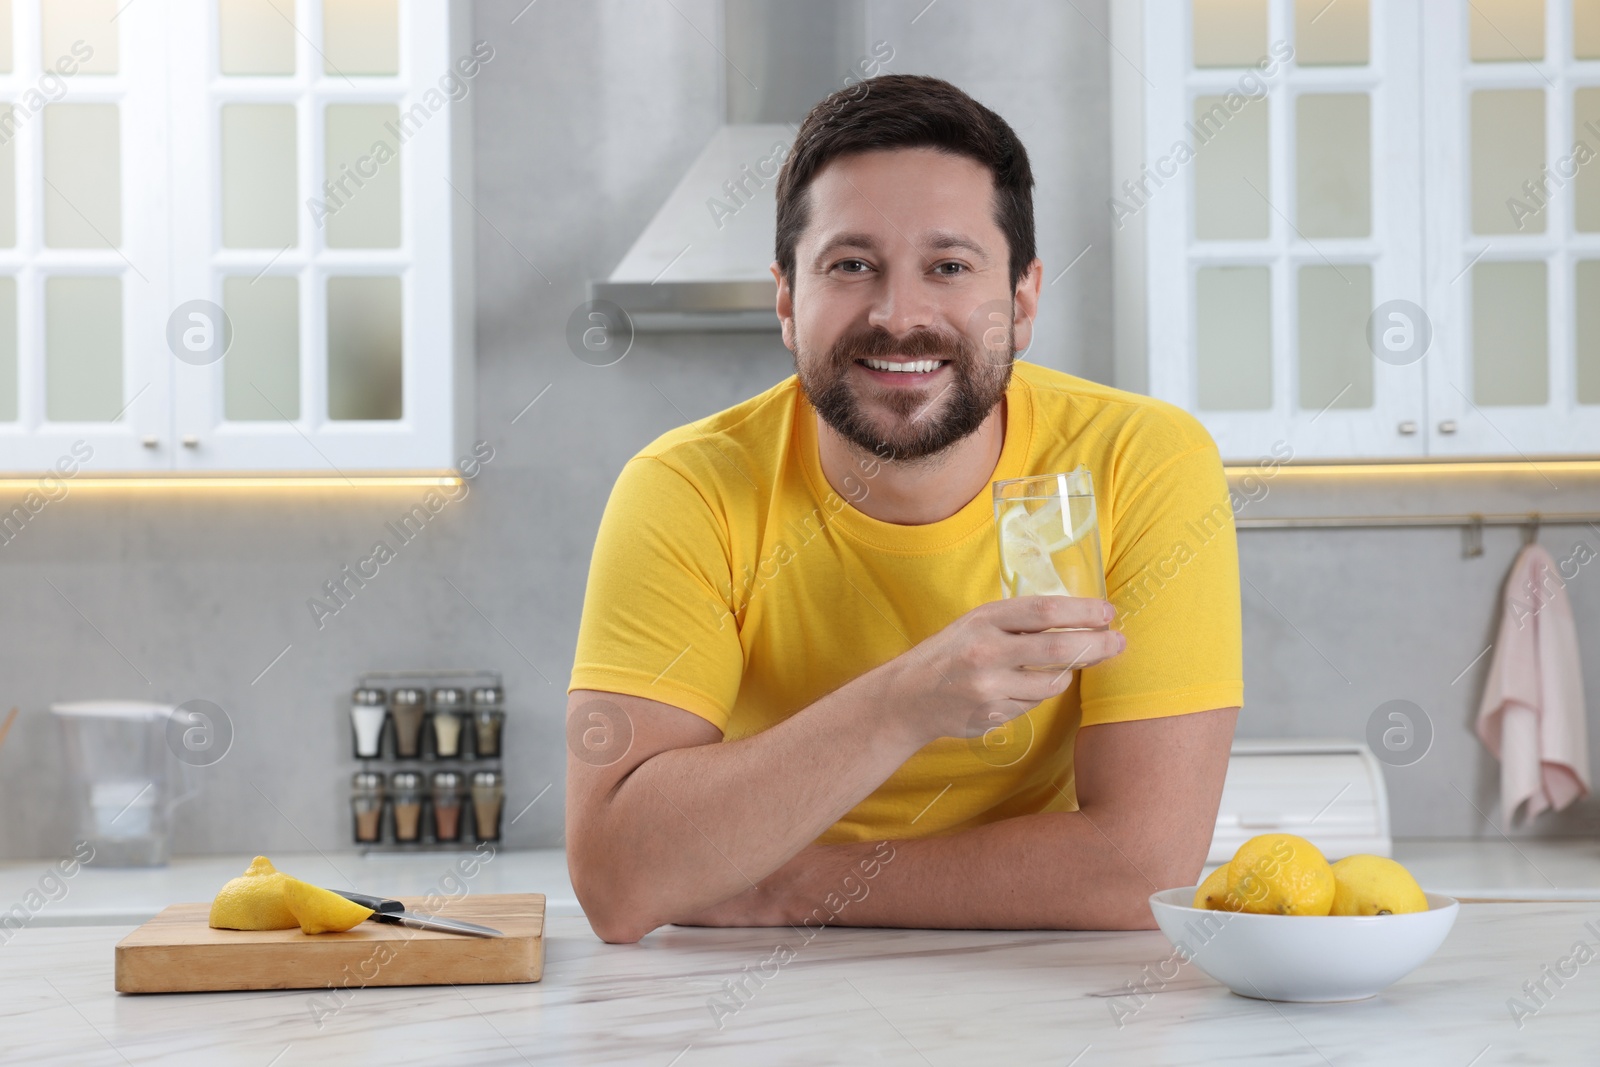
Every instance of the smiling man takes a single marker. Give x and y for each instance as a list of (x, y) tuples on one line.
[(797, 697)]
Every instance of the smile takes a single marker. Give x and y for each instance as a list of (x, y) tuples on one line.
[(914, 366)]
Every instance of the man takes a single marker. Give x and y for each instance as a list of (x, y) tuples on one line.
[(797, 698)]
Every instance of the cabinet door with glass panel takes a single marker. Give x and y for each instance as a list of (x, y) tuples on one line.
[(1271, 235), (315, 190), (1385, 239), (1514, 239), (85, 379)]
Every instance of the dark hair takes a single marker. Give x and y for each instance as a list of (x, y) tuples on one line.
[(907, 111)]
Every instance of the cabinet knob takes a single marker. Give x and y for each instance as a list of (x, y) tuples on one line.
[(1409, 426), (191, 441), (1447, 426), (150, 440)]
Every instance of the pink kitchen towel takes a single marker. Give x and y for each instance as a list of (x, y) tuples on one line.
[(1532, 717)]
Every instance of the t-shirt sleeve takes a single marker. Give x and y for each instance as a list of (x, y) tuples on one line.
[(1172, 572), (658, 615)]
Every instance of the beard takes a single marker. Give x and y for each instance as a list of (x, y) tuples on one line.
[(916, 424)]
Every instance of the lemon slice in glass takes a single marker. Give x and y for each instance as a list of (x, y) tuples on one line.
[(1046, 525), (1026, 557)]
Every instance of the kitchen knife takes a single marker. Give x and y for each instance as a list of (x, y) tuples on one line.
[(366, 900), (392, 911)]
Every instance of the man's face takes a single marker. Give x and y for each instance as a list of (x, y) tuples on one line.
[(902, 319)]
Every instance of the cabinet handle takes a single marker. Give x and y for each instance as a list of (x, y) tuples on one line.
[(150, 440), (1447, 426), (1408, 427), (191, 441)]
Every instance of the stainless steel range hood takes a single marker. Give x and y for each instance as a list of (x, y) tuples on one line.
[(702, 261)]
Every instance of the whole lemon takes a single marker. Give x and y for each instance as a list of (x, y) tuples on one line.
[(1281, 874), (254, 900), (1374, 885), (1213, 894)]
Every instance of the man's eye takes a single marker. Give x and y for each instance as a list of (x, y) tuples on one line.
[(847, 262), (960, 267)]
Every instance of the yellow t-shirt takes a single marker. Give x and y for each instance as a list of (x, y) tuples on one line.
[(729, 579)]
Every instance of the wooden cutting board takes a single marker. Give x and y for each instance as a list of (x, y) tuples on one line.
[(177, 952)]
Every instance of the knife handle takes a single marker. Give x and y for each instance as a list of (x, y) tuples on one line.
[(377, 904)]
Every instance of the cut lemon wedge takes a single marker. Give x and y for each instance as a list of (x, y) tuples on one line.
[(1046, 525), (1080, 529), (1023, 554)]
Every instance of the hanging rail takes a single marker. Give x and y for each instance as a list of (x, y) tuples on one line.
[(1471, 524), (1533, 518)]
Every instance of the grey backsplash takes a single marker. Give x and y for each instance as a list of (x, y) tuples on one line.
[(585, 118)]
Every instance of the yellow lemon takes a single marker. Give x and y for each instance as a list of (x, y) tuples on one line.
[(253, 901), (1213, 893), (1373, 885), (1024, 558), (321, 911), (1281, 874)]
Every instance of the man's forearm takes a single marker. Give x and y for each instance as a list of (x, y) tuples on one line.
[(694, 826), (1051, 870)]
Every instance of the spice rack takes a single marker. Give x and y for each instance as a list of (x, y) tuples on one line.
[(429, 745)]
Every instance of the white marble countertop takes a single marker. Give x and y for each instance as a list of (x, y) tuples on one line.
[(1528, 870), (910, 997)]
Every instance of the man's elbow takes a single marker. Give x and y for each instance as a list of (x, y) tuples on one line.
[(1135, 903), (613, 923), (617, 929), (1143, 867), (1134, 912), (614, 916)]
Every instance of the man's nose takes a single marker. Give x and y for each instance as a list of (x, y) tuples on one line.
[(902, 302)]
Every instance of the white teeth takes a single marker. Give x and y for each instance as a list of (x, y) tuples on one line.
[(914, 366)]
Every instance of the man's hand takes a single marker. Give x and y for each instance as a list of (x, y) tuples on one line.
[(758, 906), (768, 903), (815, 886), (984, 669)]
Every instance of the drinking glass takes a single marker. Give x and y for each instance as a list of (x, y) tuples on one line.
[(1049, 538)]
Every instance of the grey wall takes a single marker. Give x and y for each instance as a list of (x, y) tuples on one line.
[(587, 115), (1337, 623)]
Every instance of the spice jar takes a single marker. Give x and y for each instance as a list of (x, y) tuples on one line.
[(366, 804), (446, 806), (367, 714), (405, 789), (406, 706), (447, 703), (488, 717), (488, 797)]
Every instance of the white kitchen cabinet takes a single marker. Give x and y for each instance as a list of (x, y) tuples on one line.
[(1514, 245), (1297, 181), (292, 176)]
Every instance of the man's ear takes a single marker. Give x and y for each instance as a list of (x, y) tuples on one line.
[(785, 307), (1027, 303)]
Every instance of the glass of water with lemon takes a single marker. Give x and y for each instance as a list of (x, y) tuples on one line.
[(1049, 538)]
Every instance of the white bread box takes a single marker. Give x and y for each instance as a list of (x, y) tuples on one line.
[(1329, 792)]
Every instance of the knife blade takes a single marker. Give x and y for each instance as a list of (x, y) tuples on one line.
[(434, 922), (393, 911)]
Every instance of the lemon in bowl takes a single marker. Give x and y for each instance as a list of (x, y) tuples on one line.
[(1278, 922)]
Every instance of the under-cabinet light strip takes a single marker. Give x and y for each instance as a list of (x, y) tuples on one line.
[(1269, 469), (50, 480)]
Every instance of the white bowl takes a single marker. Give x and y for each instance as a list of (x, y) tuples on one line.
[(1303, 957)]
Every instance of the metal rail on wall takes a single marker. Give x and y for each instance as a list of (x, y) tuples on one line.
[(1471, 524)]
